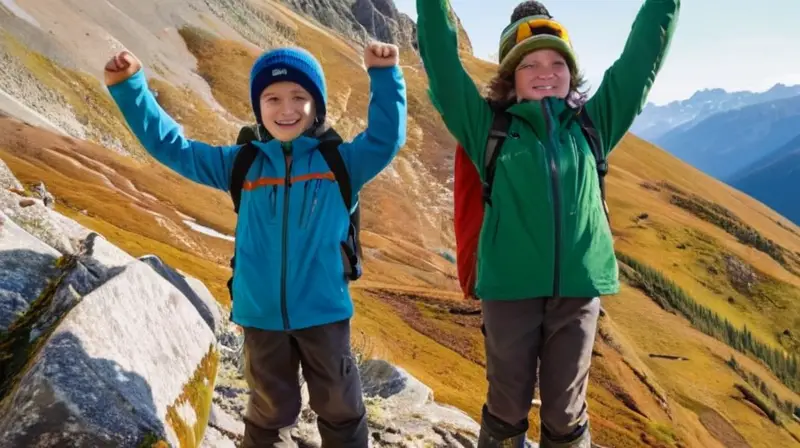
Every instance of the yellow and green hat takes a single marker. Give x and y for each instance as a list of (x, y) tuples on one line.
[(530, 34)]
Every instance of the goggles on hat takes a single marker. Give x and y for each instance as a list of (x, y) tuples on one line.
[(541, 26), (534, 26)]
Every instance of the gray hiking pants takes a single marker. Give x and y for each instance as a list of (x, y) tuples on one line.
[(272, 361), (559, 333)]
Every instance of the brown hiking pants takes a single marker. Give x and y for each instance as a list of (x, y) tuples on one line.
[(559, 334), (272, 359)]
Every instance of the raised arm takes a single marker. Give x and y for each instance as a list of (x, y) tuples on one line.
[(372, 150), (463, 109), (626, 84), (163, 138)]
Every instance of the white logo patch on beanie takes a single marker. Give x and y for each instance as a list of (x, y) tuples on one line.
[(279, 72)]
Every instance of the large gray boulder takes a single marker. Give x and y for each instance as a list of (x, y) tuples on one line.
[(132, 359), (26, 267), (33, 216), (193, 289), (97, 349)]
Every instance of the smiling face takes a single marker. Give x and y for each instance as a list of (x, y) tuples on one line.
[(287, 110), (542, 73)]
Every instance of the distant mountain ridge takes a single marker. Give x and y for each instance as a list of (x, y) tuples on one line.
[(775, 179), (656, 121), (728, 142), (749, 140)]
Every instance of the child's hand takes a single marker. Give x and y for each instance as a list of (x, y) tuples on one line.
[(379, 54), (120, 67)]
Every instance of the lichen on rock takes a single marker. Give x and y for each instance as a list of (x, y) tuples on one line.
[(197, 394)]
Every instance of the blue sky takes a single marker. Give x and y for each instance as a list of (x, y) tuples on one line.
[(732, 44)]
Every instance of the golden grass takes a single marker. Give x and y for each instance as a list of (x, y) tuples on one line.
[(394, 340), (197, 393), (668, 228), (199, 120), (225, 65), (701, 399), (85, 176), (91, 104), (704, 378)]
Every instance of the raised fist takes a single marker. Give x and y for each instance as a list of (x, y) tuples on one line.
[(379, 54), (120, 67)]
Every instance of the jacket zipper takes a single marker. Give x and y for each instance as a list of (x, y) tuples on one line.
[(287, 154), (554, 178)]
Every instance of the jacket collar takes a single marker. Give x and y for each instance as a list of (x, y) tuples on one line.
[(301, 145), (550, 113)]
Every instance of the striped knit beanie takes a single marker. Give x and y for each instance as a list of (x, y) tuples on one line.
[(511, 52)]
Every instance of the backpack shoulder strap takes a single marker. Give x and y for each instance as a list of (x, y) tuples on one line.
[(330, 151), (590, 133), (241, 164), (497, 136)]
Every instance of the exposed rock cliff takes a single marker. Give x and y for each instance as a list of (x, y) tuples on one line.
[(361, 20)]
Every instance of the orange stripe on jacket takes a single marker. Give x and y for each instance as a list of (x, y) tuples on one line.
[(268, 181)]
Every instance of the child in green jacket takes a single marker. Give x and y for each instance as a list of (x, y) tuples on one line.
[(545, 253)]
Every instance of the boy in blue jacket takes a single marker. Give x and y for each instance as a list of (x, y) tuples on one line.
[(289, 287)]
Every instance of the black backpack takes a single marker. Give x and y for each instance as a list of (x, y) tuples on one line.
[(499, 132), (329, 147)]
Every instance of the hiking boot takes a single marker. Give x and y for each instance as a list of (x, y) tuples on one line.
[(486, 440), (583, 440), (354, 434)]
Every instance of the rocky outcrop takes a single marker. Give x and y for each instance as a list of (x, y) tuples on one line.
[(382, 21), (362, 20), (98, 348), (47, 198), (7, 179), (401, 412), (194, 290), (102, 349)]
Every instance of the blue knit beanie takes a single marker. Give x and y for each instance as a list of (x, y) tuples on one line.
[(288, 64)]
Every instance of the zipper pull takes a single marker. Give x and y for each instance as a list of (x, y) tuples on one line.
[(287, 157)]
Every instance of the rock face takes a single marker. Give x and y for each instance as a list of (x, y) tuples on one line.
[(193, 289), (382, 21), (25, 265), (401, 412), (7, 179), (362, 20), (35, 219), (100, 349)]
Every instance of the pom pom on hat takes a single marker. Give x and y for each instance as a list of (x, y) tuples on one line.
[(528, 9)]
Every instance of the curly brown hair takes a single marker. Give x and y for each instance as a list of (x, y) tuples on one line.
[(501, 90)]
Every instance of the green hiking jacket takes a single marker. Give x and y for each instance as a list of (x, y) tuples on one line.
[(545, 233)]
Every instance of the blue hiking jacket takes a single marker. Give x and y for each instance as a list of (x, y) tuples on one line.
[(289, 270)]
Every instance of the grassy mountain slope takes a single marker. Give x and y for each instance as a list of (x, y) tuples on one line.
[(730, 253)]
